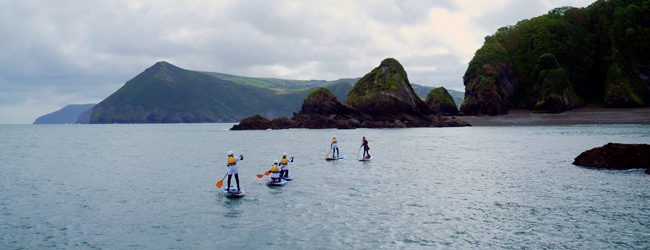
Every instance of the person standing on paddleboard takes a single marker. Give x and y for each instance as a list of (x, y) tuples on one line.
[(276, 176), (285, 165), (232, 168), (335, 147), (364, 144)]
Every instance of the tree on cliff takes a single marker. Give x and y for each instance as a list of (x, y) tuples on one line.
[(568, 58)]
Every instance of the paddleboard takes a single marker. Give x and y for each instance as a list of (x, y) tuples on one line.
[(276, 183), (333, 159), (234, 193), (366, 159), (288, 178)]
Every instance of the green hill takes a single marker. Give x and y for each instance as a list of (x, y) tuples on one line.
[(165, 93), (568, 58), (280, 84)]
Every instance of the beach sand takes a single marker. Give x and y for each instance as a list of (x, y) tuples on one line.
[(520, 117)]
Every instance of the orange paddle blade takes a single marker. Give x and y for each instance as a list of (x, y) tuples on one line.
[(260, 175), (219, 183), (267, 172)]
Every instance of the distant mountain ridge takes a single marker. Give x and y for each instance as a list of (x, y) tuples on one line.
[(67, 114), (164, 93)]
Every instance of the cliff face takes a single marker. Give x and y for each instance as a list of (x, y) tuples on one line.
[(441, 102), (566, 59)]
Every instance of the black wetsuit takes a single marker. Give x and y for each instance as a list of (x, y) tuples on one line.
[(365, 148)]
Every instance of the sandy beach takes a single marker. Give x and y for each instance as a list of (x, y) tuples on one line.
[(520, 117)]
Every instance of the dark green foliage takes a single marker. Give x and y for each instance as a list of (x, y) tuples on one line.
[(442, 95), (571, 49), (378, 81), (321, 90)]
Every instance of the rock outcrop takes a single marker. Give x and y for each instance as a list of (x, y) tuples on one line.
[(383, 99), (386, 95), (488, 93), (441, 102), (616, 156), (563, 60)]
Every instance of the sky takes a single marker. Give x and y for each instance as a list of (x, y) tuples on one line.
[(55, 53)]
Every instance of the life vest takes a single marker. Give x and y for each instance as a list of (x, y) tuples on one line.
[(284, 161), (274, 169), (334, 140), (231, 161)]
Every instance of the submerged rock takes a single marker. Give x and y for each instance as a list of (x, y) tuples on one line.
[(616, 156)]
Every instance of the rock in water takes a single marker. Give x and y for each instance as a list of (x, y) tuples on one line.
[(383, 98), (441, 102), (321, 109), (254, 123), (616, 156), (386, 95)]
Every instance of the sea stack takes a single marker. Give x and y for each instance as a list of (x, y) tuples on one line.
[(386, 95), (441, 102)]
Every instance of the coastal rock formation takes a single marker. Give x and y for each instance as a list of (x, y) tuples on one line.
[(487, 93), (386, 95), (388, 102), (563, 60), (441, 102), (254, 123), (616, 156)]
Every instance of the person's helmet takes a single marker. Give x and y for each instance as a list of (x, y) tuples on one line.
[(229, 152), (284, 154), (276, 161), (334, 137)]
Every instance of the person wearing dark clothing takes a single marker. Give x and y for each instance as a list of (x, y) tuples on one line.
[(364, 144)]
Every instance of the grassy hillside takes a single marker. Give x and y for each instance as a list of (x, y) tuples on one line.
[(165, 93), (279, 84)]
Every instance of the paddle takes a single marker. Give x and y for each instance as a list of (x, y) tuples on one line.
[(220, 183), (359, 152), (262, 175), (328, 153)]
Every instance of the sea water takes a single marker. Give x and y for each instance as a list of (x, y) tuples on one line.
[(154, 187)]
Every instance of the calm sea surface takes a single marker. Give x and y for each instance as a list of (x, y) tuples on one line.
[(153, 187)]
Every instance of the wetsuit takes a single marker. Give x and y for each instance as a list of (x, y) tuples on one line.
[(365, 148)]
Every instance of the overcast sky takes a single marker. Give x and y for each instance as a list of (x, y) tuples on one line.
[(55, 53)]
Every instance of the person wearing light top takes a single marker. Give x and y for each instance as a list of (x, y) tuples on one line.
[(335, 147), (275, 172), (285, 165), (232, 168)]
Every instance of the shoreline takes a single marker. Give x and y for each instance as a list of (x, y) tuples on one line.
[(581, 116)]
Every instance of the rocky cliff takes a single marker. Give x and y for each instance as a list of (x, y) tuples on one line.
[(566, 59), (381, 99)]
